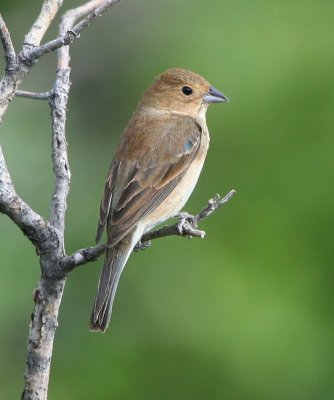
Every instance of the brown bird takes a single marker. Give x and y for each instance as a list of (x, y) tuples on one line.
[(155, 169)]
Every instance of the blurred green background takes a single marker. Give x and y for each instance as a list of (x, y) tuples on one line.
[(246, 313)]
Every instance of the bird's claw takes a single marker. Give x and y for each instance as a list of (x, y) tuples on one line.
[(187, 224), (142, 245)]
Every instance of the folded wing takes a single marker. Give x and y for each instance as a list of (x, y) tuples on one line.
[(147, 167)]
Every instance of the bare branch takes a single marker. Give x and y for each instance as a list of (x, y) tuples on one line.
[(187, 226), (70, 34), (82, 256), (33, 95), (183, 229), (102, 8), (40, 26), (32, 50), (32, 225), (61, 169), (47, 298), (20, 66), (7, 44), (213, 205), (68, 20)]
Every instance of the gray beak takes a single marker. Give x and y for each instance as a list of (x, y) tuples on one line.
[(214, 96)]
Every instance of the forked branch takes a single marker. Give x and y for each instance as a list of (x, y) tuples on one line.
[(18, 67), (68, 32)]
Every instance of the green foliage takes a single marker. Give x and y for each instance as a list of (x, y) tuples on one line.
[(244, 314)]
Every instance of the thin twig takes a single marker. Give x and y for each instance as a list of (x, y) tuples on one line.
[(67, 23), (72, 33), (187, 226), (7, 44), (12, 79), (213, 205), (32, 50), (33, 95), (48, 11), (82, 256)]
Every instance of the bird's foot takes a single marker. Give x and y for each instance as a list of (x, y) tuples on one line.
[(142, 245), (187, 225)]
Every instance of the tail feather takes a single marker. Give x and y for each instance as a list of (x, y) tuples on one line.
[(114, 262)]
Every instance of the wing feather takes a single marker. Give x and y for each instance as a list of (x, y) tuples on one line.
[(106, 200), (138, 186)]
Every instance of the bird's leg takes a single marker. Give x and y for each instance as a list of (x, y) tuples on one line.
[(142, 245)]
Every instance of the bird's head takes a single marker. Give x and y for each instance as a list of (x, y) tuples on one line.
[(182, 91)]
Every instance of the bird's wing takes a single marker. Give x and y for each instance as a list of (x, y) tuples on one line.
[(106, 199), (149, 163)]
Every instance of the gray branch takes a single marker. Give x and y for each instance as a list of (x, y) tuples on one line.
[(21, 65), (61, 169), (7, 44), (187, 226), (69, 33), (32, 50), (82, 257), (33, 95), (36, 33)]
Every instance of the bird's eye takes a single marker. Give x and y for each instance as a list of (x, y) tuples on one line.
[(186, 90)]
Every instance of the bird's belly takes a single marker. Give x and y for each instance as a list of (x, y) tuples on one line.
[(178, 197)]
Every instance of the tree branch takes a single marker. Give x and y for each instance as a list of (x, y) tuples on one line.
[(61, 169), (33, 95), (7, 44), (70, 33), (32, 50), (187, 226), (21, 65), (44, 322), (68, 20), (82, 256), (40, 26)]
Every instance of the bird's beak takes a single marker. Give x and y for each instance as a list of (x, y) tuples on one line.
[(214, 96)]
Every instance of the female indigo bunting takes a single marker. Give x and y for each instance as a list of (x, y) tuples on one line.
[(155, 169)]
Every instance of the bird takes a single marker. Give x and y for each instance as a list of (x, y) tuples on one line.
[(154, 170)]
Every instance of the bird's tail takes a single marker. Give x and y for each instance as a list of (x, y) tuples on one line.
[(114, 262)]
